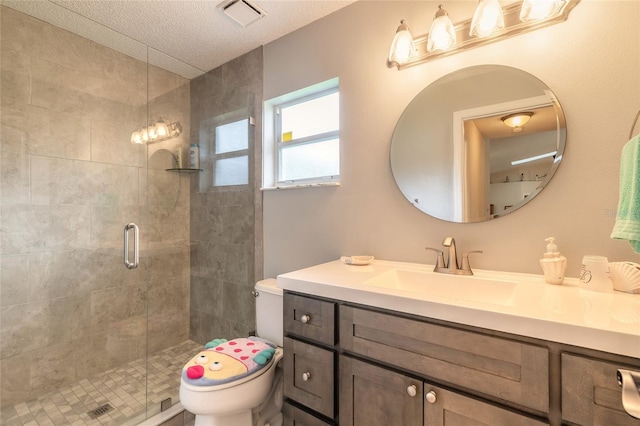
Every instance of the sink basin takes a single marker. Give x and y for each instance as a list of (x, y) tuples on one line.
[(459, 287)]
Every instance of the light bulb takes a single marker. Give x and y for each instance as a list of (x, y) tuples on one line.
[(536, 10), (442, 35), (153, 135), (402, 47), (144, 135), (136, 138), (161, 129), (487, 19)]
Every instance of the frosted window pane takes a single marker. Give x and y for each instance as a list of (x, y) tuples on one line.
[(231, 171), (232, 137), (313, 117), (310, 160)]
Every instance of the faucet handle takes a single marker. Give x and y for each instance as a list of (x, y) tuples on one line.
[(465, 259), (440, 259)]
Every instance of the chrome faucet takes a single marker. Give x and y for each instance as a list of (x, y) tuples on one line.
[(451, 266)]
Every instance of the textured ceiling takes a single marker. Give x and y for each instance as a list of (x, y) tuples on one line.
[(194, 32)]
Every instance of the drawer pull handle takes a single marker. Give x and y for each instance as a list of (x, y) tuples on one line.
[(431, 397), (412, 390), (306, 319), (306, 376)]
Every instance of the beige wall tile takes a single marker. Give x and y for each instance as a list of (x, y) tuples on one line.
[(60, 181), (14, 177), (111, 143), (45, 132), (24, 228), (37, 39), (14, 280), (15, 75)]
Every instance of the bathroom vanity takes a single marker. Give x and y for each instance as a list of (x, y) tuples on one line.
[(395, 344)]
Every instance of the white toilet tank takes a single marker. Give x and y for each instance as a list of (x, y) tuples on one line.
[(269, 309)]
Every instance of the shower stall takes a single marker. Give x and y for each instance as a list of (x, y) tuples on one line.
[(85, 339)]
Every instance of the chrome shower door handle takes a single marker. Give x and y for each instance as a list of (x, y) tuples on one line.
[(136, 253)]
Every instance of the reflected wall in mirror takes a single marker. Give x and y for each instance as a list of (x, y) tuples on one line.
[(460, 154)]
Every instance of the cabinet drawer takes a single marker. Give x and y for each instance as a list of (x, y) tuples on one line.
[(374, 396), (310, 318), (505, 369), (308, 376), (450, 408), (591, 394), (293, 416)]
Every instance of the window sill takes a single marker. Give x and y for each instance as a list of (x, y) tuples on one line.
[(301, 185)]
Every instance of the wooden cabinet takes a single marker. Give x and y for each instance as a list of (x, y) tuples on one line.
[(591, 394), (294, 416), (505, 369), (308, 377), (357, 366), (309, 358), (374, 396), (443, 407)]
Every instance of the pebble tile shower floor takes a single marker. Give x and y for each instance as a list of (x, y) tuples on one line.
[(123, 388)]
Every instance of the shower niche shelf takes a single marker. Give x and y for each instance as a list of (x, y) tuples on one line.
[(184, 170)]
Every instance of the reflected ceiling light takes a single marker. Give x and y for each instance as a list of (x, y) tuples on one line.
[(442, 35), (517, 120), (156, 132), (488, 25), (534, 158), (536, 10), (487, 19), (402, 46)]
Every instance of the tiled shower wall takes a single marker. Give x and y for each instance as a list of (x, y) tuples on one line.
[(70, 181), (226, 222)]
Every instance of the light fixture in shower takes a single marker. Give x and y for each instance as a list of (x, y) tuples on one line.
[(157, 132)]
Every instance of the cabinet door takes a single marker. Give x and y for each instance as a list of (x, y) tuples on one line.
[(293, 416), (591, 394), (308, 376), (374, 396), (443, 407)]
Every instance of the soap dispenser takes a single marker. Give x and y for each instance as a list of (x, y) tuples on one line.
[(553, 264)]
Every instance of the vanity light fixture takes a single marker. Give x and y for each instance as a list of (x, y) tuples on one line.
[(402, 45), (442, 35), (487, 19), (517, 120), (534, 158), (157, 132), (487, 26)]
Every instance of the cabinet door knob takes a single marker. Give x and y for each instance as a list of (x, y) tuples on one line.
[(305, 319), (306, 376), (431, 397), (412, 390)]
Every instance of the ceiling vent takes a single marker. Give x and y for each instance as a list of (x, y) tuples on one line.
[(242, 11)]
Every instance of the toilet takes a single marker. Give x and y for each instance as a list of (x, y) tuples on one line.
[(252, 396)]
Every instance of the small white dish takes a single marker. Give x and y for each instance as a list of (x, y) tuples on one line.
[(356, 260)]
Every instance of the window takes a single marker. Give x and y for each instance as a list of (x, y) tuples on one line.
[(303, 147), (231, 154)]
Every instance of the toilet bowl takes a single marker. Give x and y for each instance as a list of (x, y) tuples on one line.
[(218, 400)]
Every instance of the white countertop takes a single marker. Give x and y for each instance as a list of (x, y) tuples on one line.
[(564, 313)]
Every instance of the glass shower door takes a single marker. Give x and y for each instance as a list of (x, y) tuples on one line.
[(73, 318)]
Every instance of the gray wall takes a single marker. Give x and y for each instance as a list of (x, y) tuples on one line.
[(591, 62), (226, 222)]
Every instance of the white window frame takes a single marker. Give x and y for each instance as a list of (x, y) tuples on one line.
[(273, 144)]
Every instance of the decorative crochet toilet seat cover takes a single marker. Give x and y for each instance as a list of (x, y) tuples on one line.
[(225, 361)]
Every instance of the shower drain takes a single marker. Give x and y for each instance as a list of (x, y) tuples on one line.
[(100, 411)]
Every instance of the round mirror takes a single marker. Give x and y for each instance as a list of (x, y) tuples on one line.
[(478, 143)]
